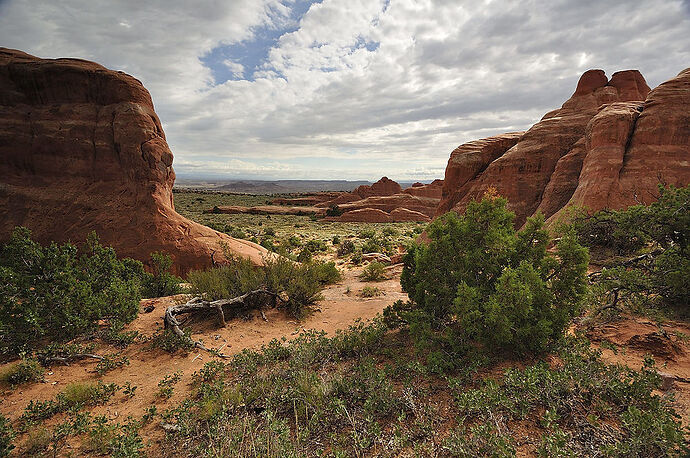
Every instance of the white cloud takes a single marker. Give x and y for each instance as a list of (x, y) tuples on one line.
[(361, 88)]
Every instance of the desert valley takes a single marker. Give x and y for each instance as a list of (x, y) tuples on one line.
[(533, 300)]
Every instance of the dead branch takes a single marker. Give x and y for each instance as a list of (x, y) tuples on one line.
[(252, 300), (629, 262), (67, 359)]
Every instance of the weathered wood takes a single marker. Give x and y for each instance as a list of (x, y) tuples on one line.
[(66, 360), (253, 299)]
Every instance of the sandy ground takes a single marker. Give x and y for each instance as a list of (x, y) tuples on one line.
[(667, 343), (341, 307)]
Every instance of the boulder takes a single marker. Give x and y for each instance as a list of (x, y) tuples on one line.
[(82, 150)]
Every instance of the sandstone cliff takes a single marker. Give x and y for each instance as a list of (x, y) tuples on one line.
[(81, 150), (608, 146)]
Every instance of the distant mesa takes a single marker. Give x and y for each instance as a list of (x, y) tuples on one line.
[(81, 150), (608, 146)]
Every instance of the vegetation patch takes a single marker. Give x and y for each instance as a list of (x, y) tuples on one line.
[(25, 371), (374, 271), (357, 394), (480, 281)]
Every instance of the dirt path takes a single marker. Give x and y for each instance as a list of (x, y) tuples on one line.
[(341, 307)]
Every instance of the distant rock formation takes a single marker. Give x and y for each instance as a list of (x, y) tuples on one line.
[(383, 201), (386, 201), (384, 187), (608, 146), (433, 189), (81, 150)]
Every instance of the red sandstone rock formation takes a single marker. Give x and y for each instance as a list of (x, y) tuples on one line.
[(467, 161), (384, 187), (632, 148), (404, 214), (365, 215), (609, 145), (433, 189), (424, 205), (266, 210), (81, 150)]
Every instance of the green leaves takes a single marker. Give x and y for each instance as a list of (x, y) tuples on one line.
[(481, 280), (57, 292)]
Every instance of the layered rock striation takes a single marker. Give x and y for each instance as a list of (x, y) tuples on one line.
[(82, 150), (608, 146)]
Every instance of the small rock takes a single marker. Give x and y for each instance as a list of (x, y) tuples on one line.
[(667, 381)]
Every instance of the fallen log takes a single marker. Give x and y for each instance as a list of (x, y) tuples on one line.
[(47, 360), (252, 300)]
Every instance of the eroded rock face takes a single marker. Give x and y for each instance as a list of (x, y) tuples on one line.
[(608, 146), (81, 150), (366, 215), (424, 205), (466, 162), (433, 189), (384, 187)]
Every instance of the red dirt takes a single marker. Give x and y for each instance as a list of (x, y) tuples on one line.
[(341, 307)]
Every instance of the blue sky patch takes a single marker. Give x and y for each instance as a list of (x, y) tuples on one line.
[(239, 61)]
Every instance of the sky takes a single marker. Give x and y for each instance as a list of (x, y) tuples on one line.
[(350, 89)]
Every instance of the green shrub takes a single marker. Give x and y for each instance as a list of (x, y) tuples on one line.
[(270, 232), (389, 231), (161, 282), (301, 282), (294, 241), (371, 291), (334, 210), (660, 278), (366, 233), (377, 244), (327, 273), (481, 440), (356, 257), (335, 240), (25, 371), (234, 231), (57, 292), (78, 394), (170, 342), (6, 436), (375, 271), (115, 336), (305, 255), (267, 242), (316, 246), (480, 280), (345, 248)]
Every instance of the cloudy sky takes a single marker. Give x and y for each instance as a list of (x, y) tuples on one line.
[(350, 89)]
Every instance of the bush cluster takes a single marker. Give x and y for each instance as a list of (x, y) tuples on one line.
[(301, 282), (662, 229), (57, 292), (374, 271), (478, 279)]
